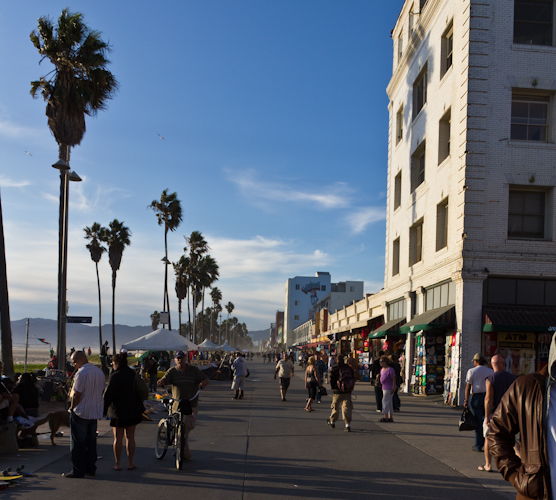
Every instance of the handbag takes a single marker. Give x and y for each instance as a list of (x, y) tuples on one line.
[(467, 422), (322, 391), (248, 373)]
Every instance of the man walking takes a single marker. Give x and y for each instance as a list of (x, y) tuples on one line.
[(86, 406), (342, 381), (284, 370), (240, 372), (375, 376), (496, 386), (476, 386), (185, 380)]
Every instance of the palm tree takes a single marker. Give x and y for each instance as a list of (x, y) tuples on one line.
[(229, 307), (117, 238), (155, 320), (180, 269), (208, 274), (95, 234), (216, 296), (168, 213), (197, 248), (80, 84), (5, 324)]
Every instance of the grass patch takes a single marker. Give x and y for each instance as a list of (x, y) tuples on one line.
[(30, 368)]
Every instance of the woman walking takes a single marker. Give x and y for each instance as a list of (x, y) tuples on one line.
[(312, 382), (388, 381), (123, 405)]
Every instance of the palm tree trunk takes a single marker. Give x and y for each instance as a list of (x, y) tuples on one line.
[(203, 315), (99, 310), (113, 312), (179, 316), (189, 316), (5, 324), (166, 299)]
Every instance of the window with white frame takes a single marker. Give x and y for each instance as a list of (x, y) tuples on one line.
[(397, 190), (400, 47), (297, 287), (352, 289), (442, 225), (530, 116), (418, 166), (399, 125), (444, 130), (447, 49), (397, 309), (416, 243), (527, 213), (396, 257), (420, 92), (533, 22)]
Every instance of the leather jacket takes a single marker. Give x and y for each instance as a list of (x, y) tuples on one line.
[(523, 409)]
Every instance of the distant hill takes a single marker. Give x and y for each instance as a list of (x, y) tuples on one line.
[(260, 334)]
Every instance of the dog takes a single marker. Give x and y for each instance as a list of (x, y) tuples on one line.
[(55, 420)]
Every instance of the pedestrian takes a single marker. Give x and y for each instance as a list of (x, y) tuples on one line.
[(496, 386), (264, 357), (124, 407), (476, 387), (152, 370), (342, 381), (104, 357), (240, 372), (312, 382), (85, 409), (89, 351), (388, 383), (396, 403), (185, 380), (321, 369), (284, 370), (375, 376)]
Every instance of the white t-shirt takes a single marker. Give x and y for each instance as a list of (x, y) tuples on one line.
[(90, 382), (551, 438), (477, 378)]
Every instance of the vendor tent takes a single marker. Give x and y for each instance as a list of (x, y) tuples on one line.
[(161, 340), (226, 348), (207, 345)]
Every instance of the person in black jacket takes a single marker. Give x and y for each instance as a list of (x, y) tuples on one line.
[(28, 394), (375, 376), (124, 407)]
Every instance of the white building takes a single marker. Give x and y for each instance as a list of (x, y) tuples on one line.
[(341, 294), (302, 293), (470, 233)]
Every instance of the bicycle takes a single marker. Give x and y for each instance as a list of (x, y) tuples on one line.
[(171, 430)]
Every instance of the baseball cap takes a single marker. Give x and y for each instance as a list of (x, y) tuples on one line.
[(477, 357), (179, 354)]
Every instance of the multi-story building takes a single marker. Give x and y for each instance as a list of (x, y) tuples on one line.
[(302, 293), (470, 235), (341, 294), (280, 327)]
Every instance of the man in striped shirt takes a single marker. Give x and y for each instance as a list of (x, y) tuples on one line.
[(85, 409)]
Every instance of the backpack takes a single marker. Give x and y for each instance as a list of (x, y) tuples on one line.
[(346, 381)]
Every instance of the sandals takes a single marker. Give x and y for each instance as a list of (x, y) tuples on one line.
[(386, 420)]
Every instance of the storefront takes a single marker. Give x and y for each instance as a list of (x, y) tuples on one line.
[(435, 362), (521, 335)]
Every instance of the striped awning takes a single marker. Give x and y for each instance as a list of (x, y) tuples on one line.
[(443, 317), (390, 328), (519, 319)]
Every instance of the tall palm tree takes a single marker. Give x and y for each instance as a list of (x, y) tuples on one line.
[(197, 248), (229, 307), (180, 269), (216, 296), (168, 213), (80, 83), (208, 274), (5, 324), (117, 238), (95, 234), (155, 320)]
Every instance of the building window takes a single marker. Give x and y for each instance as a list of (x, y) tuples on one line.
[(396, 257), (442, 225), (526, 214), (397, 309), (521, 292), (397, 190), (297, 287), (533, 20), (296, 317), (296, 302), (400, 47), (444, 129), (422, 4), (447, 49), (441, 295), (420, 92), (529, 117), (399, 125), (418, 166), (411, 22), (416, 243), (352, 289), (323, 288)]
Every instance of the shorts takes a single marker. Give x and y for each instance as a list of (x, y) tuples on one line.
[(238, 383), (125, 422), (285, 382)]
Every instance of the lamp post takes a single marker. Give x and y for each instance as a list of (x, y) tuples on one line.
[(65, 176), (166, 298)]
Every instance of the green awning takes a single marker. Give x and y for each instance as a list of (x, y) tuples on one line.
[(519, 319), (390, 328), (443, 317)]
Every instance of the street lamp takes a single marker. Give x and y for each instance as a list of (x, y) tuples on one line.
[(166, 300), (65, 176)]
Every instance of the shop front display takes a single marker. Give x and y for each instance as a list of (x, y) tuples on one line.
[(451, 369)]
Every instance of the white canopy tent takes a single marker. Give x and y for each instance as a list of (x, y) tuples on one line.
[(161, 340), (207, 345), (226, 348)]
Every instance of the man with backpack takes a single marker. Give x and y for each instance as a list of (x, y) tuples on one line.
[(342, 381)]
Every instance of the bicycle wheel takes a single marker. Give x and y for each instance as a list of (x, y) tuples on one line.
[(180, 445), (161, 445)]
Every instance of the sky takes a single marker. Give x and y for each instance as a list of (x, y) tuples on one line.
[(275, 125)]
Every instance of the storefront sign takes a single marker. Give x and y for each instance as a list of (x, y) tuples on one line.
[(518, 350)]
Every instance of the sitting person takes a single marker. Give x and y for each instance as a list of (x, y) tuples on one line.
[(28, 394), (8, 401)]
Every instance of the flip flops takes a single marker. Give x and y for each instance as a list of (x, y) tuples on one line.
[(482, 469)]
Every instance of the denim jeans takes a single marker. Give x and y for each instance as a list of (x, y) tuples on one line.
[(477, 407), (152, 382), (83, 445)]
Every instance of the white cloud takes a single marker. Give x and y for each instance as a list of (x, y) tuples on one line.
[(11, 130), (7, 182), (334, 196), (358, 221)]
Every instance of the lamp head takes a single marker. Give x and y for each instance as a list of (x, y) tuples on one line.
[(61, 165)]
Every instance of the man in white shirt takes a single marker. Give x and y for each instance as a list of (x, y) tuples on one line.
[(476, 386), (284, 370), (85, 409), (240, 372)]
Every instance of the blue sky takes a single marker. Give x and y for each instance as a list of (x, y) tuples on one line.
[(275, 118)]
